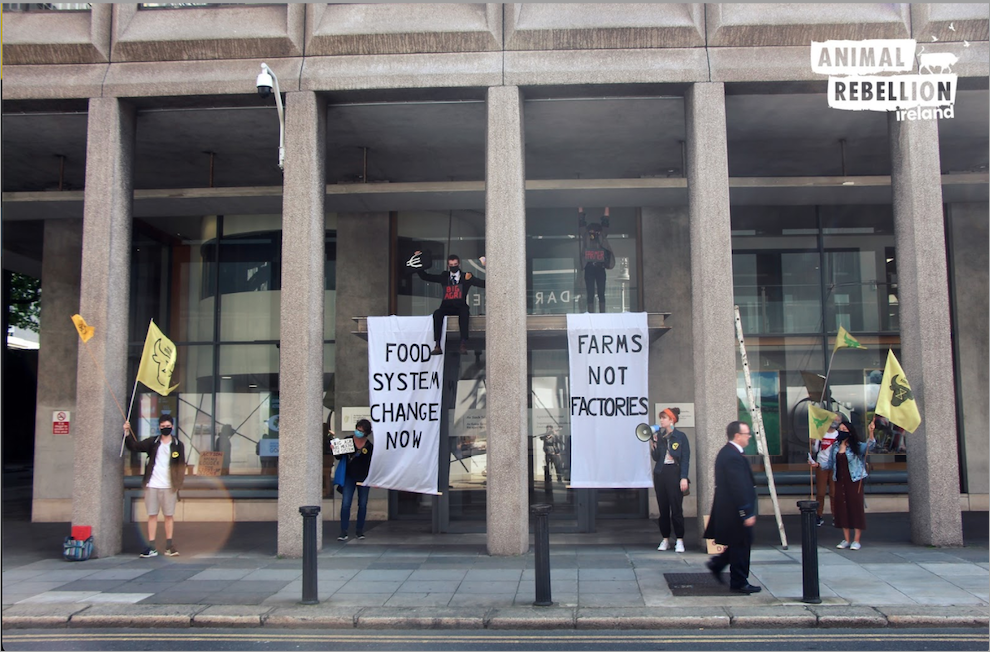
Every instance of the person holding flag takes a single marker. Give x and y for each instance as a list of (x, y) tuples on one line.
[(821, 435), (847, 463), (166, 467), (163, 477)]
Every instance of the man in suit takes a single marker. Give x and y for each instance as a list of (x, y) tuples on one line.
[(733, 512), (456, 285)]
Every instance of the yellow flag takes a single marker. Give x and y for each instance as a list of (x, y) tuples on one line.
[(85, 330), (846, 341), (896, 400), (157, 361), (819, 420)]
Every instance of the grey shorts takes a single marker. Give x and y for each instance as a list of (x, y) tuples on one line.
[(165, 498)]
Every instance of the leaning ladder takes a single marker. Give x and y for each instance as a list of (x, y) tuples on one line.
[(761, 442)]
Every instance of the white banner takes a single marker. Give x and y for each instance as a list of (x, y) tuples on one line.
[(405, 389), (609, 369)]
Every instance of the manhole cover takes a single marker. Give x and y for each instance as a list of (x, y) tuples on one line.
[(695, 584)]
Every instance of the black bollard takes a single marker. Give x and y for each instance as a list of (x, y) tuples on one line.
[(809, 550), (309, 591), (542, 512)]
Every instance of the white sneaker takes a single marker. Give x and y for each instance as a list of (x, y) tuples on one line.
[(679, 546), (843, 545), (855, 545), (664, 545)]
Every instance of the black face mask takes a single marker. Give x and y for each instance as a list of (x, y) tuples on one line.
[(454, 269), (166, 431), (841, 437)]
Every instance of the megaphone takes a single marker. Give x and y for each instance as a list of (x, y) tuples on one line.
[(644, 431)]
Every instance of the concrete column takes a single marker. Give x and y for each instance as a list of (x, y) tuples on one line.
[(714, 344), (364, 289), (54, 454), (104, 296), (301, 332), (926, 335), (505, 236), (667, 234), (970, 263)]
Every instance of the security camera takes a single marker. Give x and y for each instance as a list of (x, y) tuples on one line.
[(265, 82)]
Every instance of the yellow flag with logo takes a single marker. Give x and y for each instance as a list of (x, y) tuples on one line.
[(85, 330), (896, 400), (846, 341), (157, 361), (819, 420)]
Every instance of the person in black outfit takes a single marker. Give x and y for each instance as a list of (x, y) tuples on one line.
[(733, 512), (672, 454), (595, 257), (456, 285), (356, 470)]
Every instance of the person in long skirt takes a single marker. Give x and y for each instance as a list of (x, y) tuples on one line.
[(847, 461)]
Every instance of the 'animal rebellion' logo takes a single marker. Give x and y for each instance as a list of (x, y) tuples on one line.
[(853, 84)]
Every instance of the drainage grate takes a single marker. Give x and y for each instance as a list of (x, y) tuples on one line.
[(696, 584)]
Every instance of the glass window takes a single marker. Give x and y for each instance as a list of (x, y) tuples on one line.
[(558, 283), (228, 363), (801, 272)]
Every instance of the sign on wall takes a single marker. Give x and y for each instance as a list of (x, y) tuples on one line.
[(60, 422), (609, 371)]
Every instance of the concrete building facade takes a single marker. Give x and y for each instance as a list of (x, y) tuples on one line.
[(140, 182)]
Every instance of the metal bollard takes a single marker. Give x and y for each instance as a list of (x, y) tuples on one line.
[(309, 590), (542, 512), (809, 550)]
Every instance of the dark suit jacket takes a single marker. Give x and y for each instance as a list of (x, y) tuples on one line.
[(735, 497)]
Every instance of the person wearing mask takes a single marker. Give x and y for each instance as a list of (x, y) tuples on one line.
[(163, 477), (733, 513), (355, 468), (847, 463), (595, 257), (672, 454), (456, 285), (817, 454)]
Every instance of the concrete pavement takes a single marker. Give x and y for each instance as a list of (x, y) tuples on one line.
[(402, 576)]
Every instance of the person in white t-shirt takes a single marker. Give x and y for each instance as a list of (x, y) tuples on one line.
[(163, 477), (818, 452)]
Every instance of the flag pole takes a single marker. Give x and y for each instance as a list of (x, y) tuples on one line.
[(827, 372), (128, 417)]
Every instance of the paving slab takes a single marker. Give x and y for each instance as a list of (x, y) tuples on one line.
[(231, 616), (771, 617), (829, 616), (40, 616), (931, 616), (650, 618), (529, 618), (421, 618), (313, 617), (136, 615)]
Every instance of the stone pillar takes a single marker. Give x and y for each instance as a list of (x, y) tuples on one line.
[(301, 332), (926, 335), (53, 454), (714, 344), (667, 235), (363, 289), (505, 236), (104, 297), (969, 254)]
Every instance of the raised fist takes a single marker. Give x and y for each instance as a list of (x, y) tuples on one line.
[(415, 261), (483, 261)]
